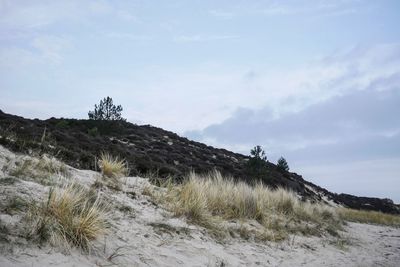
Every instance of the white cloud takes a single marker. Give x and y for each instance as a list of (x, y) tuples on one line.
[(32, 15), (100, 7), (39, 108), (170, 25), (345, 113), (315, 8), (280, 10), (127, 16), (203, 38), (12, 58), (129, 36), (51, 47), (42, 50), (222, 14), (347, 70), (192, 99), (196, 98)]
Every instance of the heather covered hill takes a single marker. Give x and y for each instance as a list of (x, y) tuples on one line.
[(149, 149)]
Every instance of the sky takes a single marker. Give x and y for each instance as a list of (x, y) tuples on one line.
[(315, 81)]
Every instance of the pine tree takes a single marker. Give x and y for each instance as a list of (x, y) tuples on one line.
[(257, 164), (106, 110), (258, 153), (282, 164)]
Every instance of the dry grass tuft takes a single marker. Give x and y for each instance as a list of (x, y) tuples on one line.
[(72, 216), (113, 168), (208, 200), (373, 217)]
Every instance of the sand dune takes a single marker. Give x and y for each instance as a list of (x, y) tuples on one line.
[(142, 233)]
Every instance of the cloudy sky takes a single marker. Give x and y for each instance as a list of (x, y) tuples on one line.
[(316, 81)]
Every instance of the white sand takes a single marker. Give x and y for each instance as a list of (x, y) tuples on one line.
[(147, 235)]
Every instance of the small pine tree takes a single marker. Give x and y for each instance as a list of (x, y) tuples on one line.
[(257, 165), (258, 153), (282, 164), (106, 110)]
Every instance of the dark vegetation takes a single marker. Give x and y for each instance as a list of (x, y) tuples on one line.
[(149, 149)]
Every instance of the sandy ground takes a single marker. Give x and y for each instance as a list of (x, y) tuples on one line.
[(144, 234)]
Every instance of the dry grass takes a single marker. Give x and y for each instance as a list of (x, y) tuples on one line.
[(208, 200), (71, 216), (373, 217), (113, 169)]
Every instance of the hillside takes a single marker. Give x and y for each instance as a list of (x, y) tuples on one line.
[(151, 149)]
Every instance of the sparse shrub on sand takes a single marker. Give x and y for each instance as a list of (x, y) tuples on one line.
[(71, 216), (43, 170), (14, 205), (112, 169)]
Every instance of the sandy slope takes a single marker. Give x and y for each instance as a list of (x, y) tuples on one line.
[(144, 234)]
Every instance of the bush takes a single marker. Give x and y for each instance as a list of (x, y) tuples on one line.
[(62, 124), (93, 131)]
